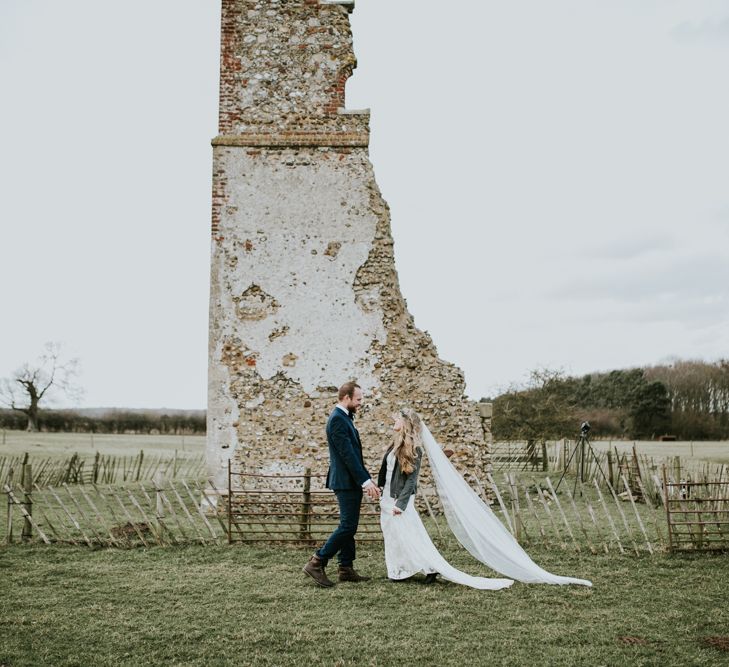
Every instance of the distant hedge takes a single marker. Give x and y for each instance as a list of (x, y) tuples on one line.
[(122, 421), (685, 399)]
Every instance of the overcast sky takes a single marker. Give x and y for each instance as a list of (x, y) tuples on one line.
[(557, 172)]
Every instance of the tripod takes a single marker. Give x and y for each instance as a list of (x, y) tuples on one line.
[(582, 443)]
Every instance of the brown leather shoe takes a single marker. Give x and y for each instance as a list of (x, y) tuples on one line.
[(350, 574), (315, 569)]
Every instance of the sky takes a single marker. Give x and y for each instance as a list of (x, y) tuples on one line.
[(557, 173)]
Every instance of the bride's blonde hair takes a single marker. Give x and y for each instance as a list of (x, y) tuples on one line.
[(407, 439)]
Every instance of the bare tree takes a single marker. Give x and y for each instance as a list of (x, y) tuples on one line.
[(48, 378)]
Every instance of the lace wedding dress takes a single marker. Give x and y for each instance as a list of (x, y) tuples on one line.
[(409, 549)]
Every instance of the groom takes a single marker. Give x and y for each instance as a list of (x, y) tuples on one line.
[(348, 478)]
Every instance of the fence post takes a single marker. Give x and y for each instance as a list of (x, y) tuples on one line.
[(27, 533), (668, 511), (139, 467), (9, 526), (230, 506), (545, 461), (157, 480), (515, 509), (305, 525), (610, 468), (677, 468)]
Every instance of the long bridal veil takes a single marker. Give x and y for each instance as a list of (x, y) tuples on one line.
[(478, 529)]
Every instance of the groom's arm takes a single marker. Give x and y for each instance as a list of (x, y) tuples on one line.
[(341, 440)]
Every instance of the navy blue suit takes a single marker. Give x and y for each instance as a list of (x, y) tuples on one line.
[(346, 465), (345, 477)]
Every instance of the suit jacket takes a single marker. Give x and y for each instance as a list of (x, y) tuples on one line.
[(346, 465), (402, 486)]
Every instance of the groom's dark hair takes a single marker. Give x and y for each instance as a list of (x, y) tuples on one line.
[(347, 389)]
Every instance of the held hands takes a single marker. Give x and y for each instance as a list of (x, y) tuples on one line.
[(373, 493)]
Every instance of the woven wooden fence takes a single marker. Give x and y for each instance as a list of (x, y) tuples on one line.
[(145, 513), (104, 469), (590, 517), (585, 517)]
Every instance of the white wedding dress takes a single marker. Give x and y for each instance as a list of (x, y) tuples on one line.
[(409, 549)]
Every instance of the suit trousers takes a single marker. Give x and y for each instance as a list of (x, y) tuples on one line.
[(341, 541)]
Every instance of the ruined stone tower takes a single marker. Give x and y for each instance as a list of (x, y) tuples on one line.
[(304, 293)]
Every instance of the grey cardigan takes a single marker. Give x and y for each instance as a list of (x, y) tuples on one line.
[(402, 486)]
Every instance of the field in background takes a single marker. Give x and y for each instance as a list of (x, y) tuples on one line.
[(93, 499), (716, 451), (63, 445), (14, 443)]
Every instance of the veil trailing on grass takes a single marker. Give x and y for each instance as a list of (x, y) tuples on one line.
[(478, 529)]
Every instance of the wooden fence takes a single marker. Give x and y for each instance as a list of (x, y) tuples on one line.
[(518, 455), (697, 514), (288, 508), (604, 465), (582, 517), (103, 469), (145, 513)]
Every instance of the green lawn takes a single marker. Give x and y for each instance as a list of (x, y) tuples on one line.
[(716, 451), (63, 445), (244, 606)]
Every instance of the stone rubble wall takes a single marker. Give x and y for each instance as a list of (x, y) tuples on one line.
[(304, 290)]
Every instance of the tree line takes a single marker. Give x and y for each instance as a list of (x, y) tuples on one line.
[(51, 376), (685, 399), (115, 421)]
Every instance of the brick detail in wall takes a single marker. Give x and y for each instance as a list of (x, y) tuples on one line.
[(230, 65), (284, 65), (218, 201), (337, 90), (294, 139)]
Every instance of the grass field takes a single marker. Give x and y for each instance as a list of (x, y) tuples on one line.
[(244, 606), (717, 451), (63, 445)]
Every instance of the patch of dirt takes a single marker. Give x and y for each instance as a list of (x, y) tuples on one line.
[(128, 530), (720, 643), (633, 641)]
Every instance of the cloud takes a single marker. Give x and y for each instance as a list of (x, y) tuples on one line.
[(712, 31), (722, 214), (630, 248), (694, 289)]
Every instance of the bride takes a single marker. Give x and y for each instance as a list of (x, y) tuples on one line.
[(408, 547)]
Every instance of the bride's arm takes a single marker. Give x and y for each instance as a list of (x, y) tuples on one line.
[(382, 475), (411, 483)]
